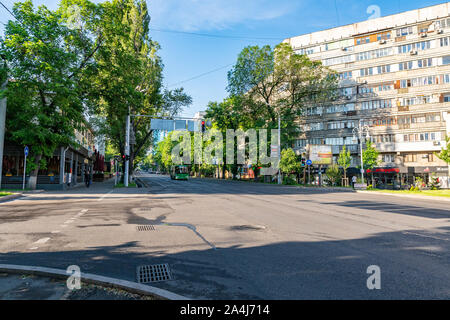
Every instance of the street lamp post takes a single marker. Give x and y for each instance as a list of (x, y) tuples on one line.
[(359, 132), (279, 148)]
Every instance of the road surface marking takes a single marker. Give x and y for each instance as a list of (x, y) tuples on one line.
[(56, 231), (81, 212), (34, 248), (43, 240), (101, 198), (69, 221)]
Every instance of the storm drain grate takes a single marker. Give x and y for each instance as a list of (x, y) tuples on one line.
[(153, 273), (147, 227)]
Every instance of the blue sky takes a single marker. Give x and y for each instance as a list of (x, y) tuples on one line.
[(186, 56)]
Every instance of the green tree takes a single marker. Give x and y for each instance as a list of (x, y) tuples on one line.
[(289, 163), (333, 173), (128, 77), (370, 157), (445, 152), (345, 160), (226, 115), (46, 64), (278, 82)]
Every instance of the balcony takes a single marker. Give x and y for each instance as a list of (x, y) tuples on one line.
[(353, 148)]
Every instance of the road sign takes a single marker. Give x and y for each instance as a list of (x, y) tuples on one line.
[(274, 151), (25, 151), (308, 162)]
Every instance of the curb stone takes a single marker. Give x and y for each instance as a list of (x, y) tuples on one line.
[(11, 197), (129, 286), (433, 198)]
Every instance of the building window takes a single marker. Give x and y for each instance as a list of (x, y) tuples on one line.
[(404, 31), (384, 69), (345, 75), (405, 65), (388, 158), (425, 63), (410, 158), (300, 143), (366, 72), (444, 42), (418, 46), (384, 36), (446, 60)]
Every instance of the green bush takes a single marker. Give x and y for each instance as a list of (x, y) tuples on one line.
[(289, 180)]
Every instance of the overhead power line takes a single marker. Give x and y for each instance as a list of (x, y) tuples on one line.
[(216, 35), (200, 75), (10, 12)]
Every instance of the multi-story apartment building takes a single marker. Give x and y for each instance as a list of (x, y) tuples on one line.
[(395, 78)]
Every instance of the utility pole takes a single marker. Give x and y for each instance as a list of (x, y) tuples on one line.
[(359, 132), (2, 128), (279, 148), (127, 149)]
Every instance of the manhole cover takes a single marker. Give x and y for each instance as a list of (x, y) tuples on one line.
[(153, 273), (148, 227)]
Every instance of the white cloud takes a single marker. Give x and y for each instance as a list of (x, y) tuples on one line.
[(193, 15)]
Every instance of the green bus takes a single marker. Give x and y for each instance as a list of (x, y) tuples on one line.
[(180, 172)]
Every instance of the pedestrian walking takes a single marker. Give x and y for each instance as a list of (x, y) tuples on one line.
[(353, 182), (87, 179)]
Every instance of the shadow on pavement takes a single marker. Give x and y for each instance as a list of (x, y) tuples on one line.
[(413, 266)]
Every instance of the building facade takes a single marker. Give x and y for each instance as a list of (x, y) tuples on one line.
[(65, 169), (394, 76)]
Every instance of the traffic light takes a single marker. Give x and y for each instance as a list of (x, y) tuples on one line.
[(125, 157), (203, 126), (303, 162)]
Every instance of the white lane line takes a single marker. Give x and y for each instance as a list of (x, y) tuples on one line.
[(69, 221), (102, 197), (43, 240), (34, 248), (56, 231)]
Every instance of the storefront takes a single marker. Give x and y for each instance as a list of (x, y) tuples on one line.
[(386, 178), (62, 170), (405, 177)]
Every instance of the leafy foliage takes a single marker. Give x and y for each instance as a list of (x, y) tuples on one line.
[(278, 82), (46, 63), (289, 162), (370, 156), (333, 173), (445, 152), (345, 160)]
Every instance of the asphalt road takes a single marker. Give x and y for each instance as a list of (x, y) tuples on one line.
[(238, 240)]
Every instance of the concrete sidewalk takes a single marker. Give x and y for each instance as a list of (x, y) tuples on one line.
[(32, 287)]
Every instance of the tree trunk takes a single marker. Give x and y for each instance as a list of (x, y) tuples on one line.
[(34, 173), (223, 171)]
